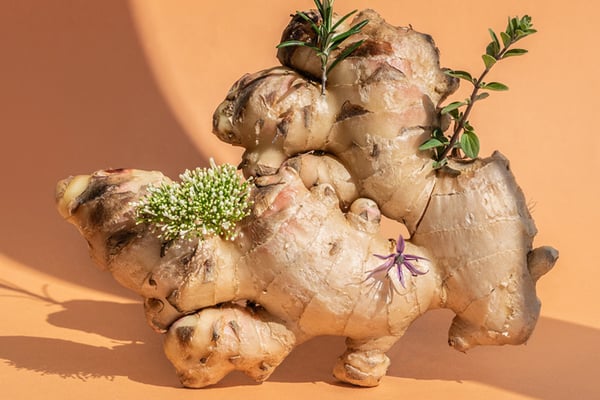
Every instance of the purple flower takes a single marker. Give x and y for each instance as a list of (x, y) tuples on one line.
[(397, 260)]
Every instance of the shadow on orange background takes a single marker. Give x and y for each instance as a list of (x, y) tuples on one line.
[(91, 85), (548, 367), (77, 96)]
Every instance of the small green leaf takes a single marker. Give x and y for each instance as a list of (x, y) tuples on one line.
[(494, 37), (525, 21), (344, 54), (341, 20), (468, 126), (440, 164), (513, 25), (455, 114), (319, 7), (290, 43), (488, 60), (305, 17), (506, 39), (492, 49), (497, 86), (452, 106), (469, 143), (514, 52), (438, 133), (460, 74), (337, 39), (431, 144), (482, 96)]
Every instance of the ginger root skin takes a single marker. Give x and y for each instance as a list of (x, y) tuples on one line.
[(479, 217), (204, 347), (381, 105), (317, 284)]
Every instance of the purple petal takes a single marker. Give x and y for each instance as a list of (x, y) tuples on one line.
[(383, 267), (414, 258), (388, 264), (397, 260), (413, 270), (384, 257), (401, 276), (400, 244)]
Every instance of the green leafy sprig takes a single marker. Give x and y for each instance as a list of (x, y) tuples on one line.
[(207, 201), (326, 37), (463, 134)]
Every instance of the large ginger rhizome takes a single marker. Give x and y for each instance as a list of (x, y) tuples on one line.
[(308, 258)]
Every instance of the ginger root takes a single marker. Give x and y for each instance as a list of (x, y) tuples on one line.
[(307, 260), (379, 107), (207, 345), (317, 284)]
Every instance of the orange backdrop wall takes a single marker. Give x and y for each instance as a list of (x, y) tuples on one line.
[(86, 85)]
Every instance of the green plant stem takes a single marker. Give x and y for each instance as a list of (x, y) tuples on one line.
[(459, 125), (323, 79)]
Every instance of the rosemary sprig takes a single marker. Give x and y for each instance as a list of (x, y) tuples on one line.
[(326, 37), (463, 135)]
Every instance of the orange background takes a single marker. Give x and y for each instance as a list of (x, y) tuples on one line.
[(86, 85)]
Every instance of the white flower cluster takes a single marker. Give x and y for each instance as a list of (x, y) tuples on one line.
[(207, 201)]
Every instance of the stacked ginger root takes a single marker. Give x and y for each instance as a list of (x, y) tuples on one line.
[(304, 263)]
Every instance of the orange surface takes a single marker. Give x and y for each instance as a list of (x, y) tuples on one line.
[(95, 84)]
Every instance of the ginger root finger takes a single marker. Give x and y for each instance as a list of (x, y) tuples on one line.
[(541, 260), (206, 346), (318, 169), (484, 233), (380, 106)]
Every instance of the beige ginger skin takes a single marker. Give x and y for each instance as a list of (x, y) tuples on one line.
[(381, 104), (379, 107), (316, 284), (326, 168)]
